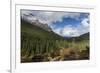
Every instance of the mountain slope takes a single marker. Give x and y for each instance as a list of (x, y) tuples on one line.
[(83, 37), (33, 31), (37, 40), (41, 25), (37, 31)]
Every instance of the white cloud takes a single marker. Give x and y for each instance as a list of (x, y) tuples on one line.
[(51, 17), (68, 31), (85, 22), (71, 31), (48, 17)]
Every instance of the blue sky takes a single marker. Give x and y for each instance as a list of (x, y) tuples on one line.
[(66, 21), (67, 24), (71, 21)]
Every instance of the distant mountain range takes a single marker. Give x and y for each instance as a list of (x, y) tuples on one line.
[(40, 30)]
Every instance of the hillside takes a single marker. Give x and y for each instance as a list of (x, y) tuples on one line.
[(40, 44), (31, 30), (83, 37), (36, 40)]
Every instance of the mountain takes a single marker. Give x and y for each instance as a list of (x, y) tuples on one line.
[(36, 30), (37, 23), (41, 25), (80, 38), (83, 37), (43, 31), (36, 39)]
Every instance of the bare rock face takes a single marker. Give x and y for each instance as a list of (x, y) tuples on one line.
[(41, 25)]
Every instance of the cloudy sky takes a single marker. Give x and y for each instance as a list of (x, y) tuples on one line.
[(67, 24)]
